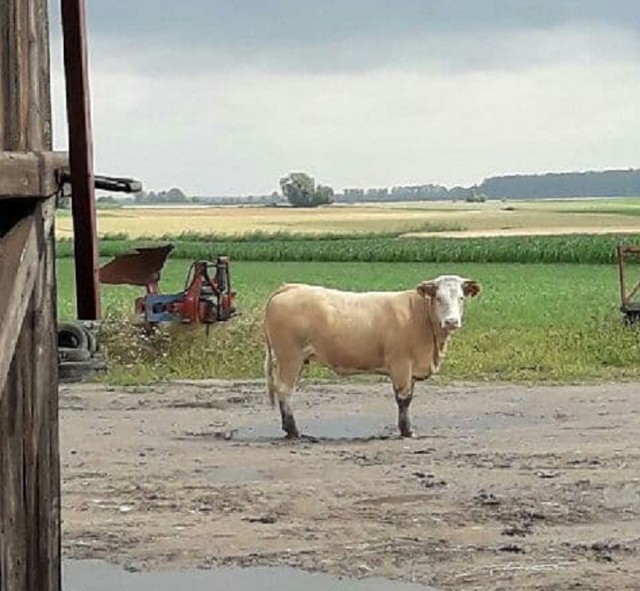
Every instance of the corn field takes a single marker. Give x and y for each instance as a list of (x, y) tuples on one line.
[(576, 248)]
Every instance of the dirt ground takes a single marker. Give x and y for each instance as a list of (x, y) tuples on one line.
[(504, 487)]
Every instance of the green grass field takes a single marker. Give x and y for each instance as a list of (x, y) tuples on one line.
[(539, 323)]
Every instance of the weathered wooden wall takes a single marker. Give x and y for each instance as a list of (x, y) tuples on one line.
[(25, 85), (29, 456)]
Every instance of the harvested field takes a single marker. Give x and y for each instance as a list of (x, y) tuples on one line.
[(490, 218)]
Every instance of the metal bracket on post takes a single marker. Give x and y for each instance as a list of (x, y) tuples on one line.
[(108, 183)]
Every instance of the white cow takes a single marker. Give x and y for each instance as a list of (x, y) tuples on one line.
[(401, 334)]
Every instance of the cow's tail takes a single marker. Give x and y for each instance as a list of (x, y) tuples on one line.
[(269, 371), (270, 360)]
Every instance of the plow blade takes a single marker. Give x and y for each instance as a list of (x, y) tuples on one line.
[(140, 267)]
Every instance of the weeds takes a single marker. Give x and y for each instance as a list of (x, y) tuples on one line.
[(598, 350)]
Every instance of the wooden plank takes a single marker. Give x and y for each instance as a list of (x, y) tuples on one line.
[(31, 174), (14, 79), (47, 377), (41, 427), (18, 260), (12, 509), (29, 456), (19, 174), (20, 253), (39, 136), (31, 449), (25, 113)]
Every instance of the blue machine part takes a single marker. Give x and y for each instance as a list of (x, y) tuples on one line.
[(155, 307)]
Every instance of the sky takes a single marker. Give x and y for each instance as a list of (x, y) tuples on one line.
[(224, 97)]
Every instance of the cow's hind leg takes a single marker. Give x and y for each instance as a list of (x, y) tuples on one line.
[(403, 387), (286, 377), (288, 421)]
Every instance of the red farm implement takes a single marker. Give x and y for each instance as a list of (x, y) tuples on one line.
[(206, 299)]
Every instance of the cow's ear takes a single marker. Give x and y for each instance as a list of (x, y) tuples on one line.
[(427, 289), (471, 288)]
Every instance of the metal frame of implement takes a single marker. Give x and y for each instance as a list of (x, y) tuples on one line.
[(629, 299)]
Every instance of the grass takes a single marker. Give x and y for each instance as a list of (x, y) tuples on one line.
[(538, 323)]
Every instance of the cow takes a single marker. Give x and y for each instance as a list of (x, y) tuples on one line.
[(400, 334)]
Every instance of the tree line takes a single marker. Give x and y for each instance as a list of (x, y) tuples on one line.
[(607, 183), (299, 189)]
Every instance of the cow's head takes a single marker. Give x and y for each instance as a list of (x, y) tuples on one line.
[(446, 294)]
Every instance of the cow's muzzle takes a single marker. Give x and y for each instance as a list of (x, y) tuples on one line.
[(451, 323)]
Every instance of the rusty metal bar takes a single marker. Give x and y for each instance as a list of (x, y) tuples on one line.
[(81, 159)]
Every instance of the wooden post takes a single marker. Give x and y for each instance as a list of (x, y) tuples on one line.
[(29, 450), (83, 203)]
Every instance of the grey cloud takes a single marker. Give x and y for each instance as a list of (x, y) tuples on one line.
[(160, 37), (249, 26), (433, 53)]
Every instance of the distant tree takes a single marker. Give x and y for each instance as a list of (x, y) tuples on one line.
[(300, 191), (107, 202), (324, 194), (475, 196), (460, 193), (175, 195)]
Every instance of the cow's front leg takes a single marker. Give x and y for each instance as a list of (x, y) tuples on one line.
[(403, 389), (404, 421)]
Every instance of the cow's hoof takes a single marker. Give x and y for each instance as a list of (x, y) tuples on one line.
[(292, 435), (407, 433)]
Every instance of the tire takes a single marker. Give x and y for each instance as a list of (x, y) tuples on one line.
[(92, 341), (69, 354), (72, 336), (73, 371)]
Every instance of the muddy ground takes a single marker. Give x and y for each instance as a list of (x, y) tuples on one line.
[(504, 487)]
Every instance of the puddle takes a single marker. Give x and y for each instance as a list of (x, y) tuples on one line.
[(96, 575), (363, 426), (338, 427)]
